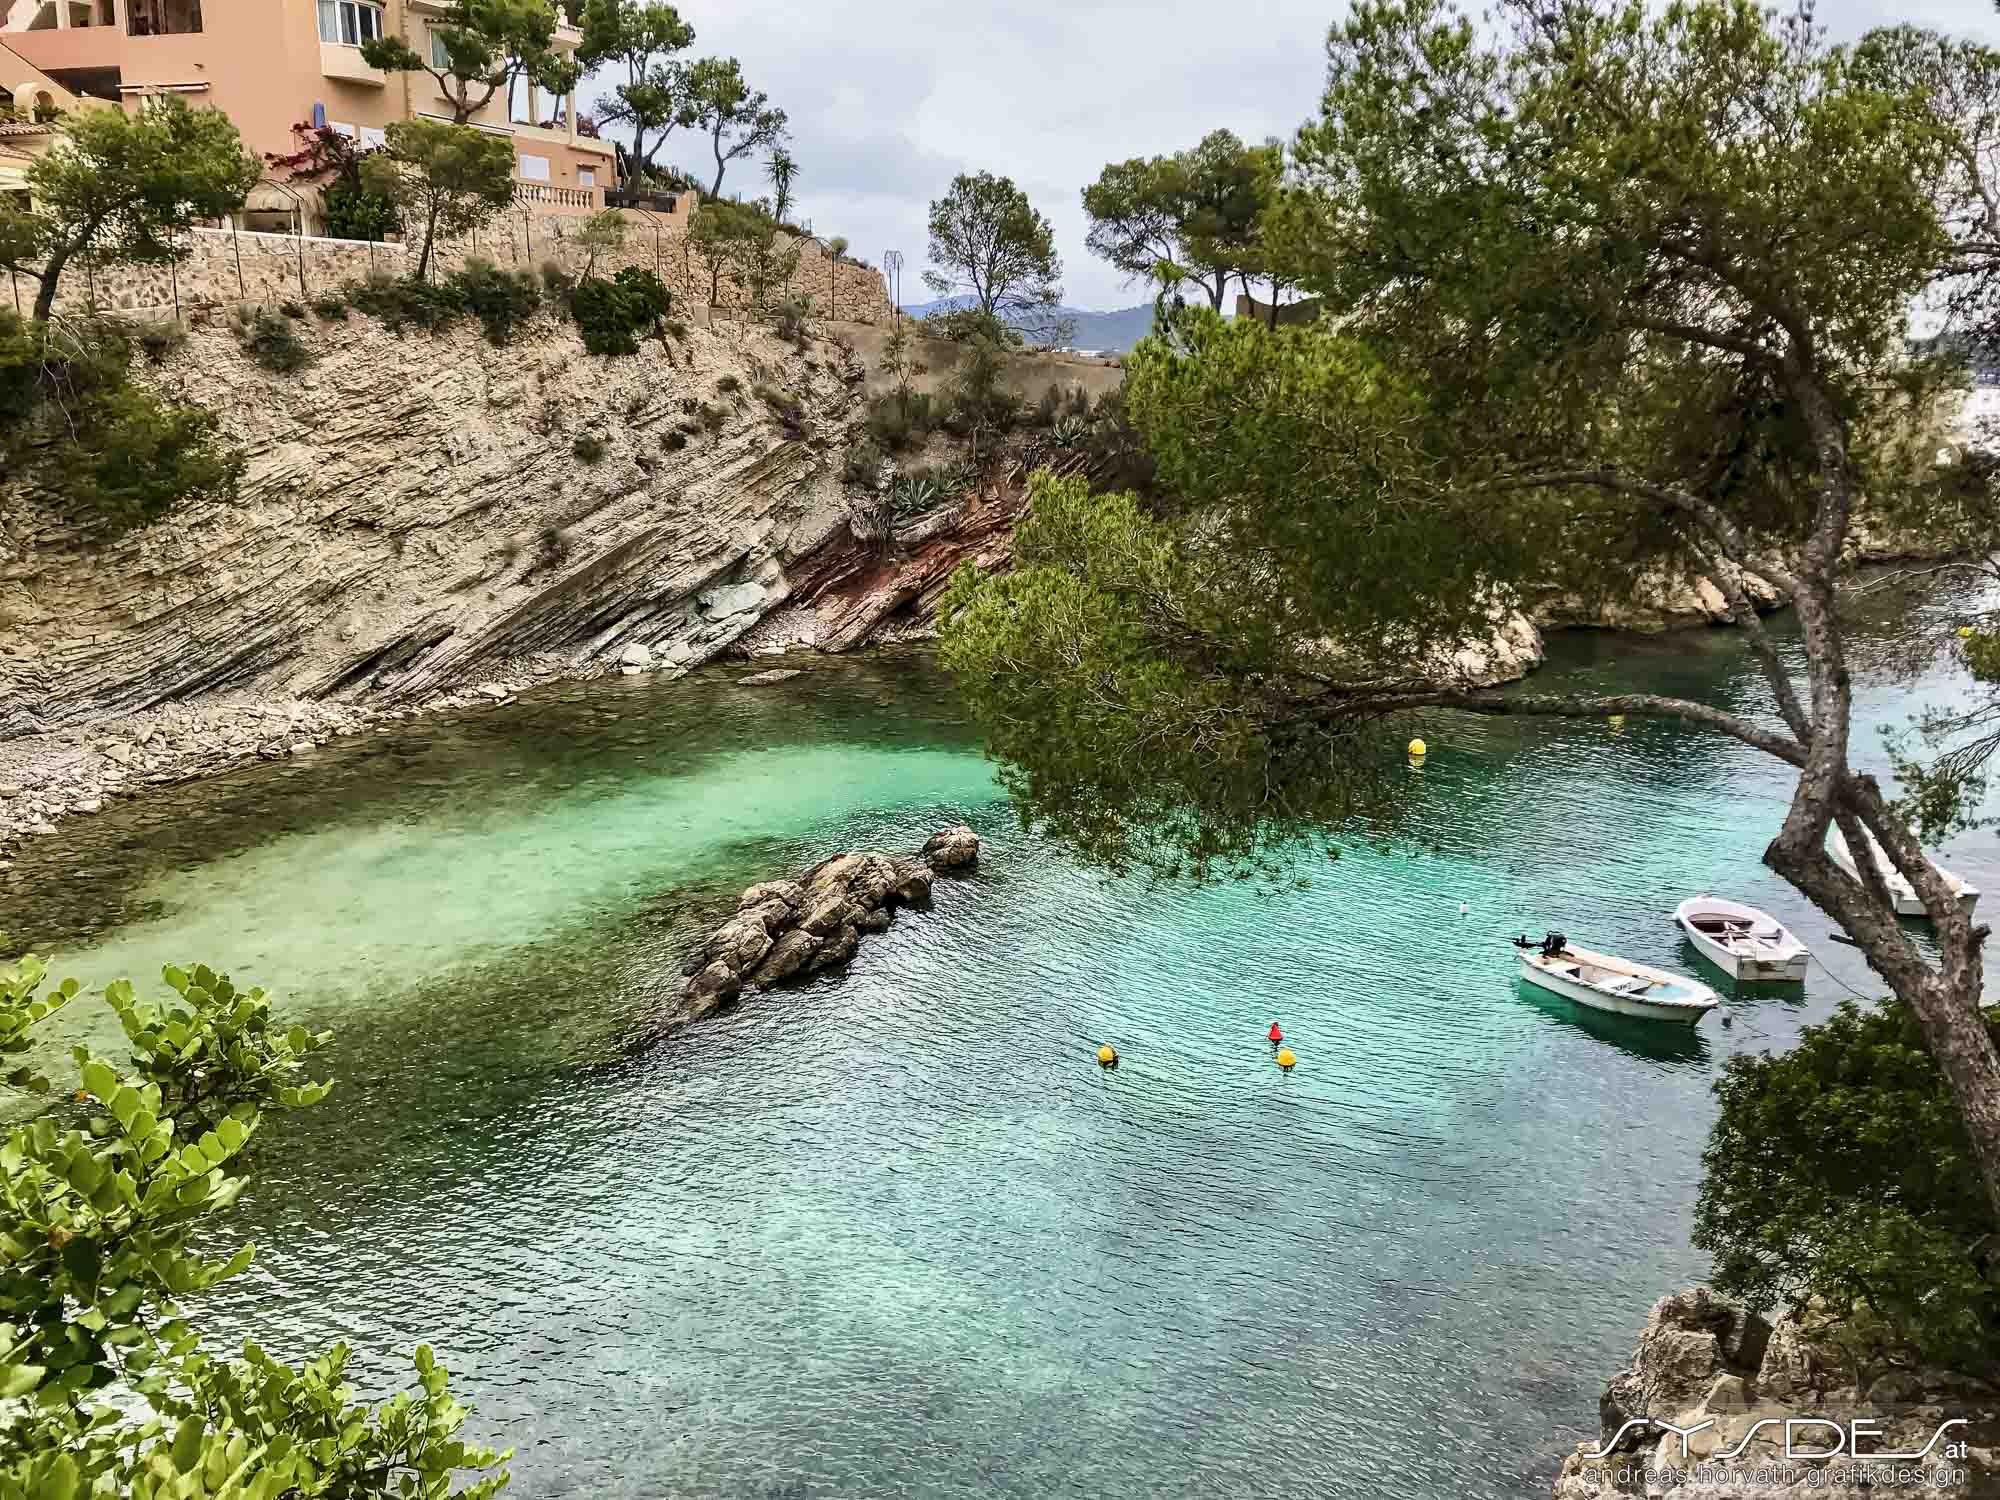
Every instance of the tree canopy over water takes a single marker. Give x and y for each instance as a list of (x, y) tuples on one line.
[(1610, 295)]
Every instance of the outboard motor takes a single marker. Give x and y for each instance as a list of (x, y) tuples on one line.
[(1552, 946)]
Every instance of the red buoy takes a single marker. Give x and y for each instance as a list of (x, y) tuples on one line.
[(1274, 1034)]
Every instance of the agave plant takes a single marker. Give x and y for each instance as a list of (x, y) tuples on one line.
[(1070, 432), (913, 495)]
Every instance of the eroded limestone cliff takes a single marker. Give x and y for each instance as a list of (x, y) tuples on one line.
[(419, 510)]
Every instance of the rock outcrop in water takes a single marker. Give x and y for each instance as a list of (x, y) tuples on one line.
[(788, 929), (1707, 1359)]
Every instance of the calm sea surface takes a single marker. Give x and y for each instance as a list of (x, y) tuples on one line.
[(894, 1233)]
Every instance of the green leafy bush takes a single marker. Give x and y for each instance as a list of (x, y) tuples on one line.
[(555, 280), (501, 300), (398, 302), (272, 342), (137, 457), (1841, 1172), (713, 417), (588, 447), (356, 211), (329, 307), (674, 441), (110, 1196), (728, 384), (611, 314), (107, 455)]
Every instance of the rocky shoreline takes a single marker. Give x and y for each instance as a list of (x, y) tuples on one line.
[(789, 929), (1709, 1367)]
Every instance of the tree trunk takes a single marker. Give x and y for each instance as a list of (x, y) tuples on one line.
[(430, 239), (51, 274), (720, 165), (1218, 291)]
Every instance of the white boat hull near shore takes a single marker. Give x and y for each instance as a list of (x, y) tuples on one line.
[(1901, 892), (1618, 985)]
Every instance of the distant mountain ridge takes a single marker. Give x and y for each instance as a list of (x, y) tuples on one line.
[(1114, 332)]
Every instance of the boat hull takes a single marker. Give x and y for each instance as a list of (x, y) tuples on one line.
[(1783, 962), (1596, 999), (1902, 894)]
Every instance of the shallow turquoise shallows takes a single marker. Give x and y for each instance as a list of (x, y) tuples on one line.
[(895, 1233)]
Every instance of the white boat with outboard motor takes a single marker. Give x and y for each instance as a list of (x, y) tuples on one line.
[(1618, 985), (1740, 940), (1907, 902)]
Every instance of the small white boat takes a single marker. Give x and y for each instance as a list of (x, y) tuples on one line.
[(1740, 940), (1612, 984), (1908, 904)]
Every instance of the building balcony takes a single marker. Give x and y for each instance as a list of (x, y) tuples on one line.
[(549, 198), (338, 60)]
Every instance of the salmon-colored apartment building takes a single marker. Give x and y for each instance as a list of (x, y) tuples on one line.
[(272, 65)]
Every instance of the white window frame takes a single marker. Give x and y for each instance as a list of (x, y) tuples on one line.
[(586, 177), (350, 22), (532, 168), (440, 59)]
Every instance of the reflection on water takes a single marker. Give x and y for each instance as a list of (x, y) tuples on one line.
[(895, 1232)]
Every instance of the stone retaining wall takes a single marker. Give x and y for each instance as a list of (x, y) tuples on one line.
[(226, 267)]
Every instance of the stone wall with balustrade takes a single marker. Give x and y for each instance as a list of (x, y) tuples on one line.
[(232, 267)]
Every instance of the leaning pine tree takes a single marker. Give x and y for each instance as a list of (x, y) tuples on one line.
[(1612, 293)]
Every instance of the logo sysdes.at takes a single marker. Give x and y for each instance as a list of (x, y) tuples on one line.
[(1805, 1437)]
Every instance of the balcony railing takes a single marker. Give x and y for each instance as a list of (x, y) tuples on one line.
[(550, 195)]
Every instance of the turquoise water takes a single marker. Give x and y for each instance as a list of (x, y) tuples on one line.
[(894, 1232)]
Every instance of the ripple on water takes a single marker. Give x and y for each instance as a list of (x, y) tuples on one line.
[(893, 1232)]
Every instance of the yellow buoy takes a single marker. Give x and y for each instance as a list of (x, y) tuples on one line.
[(1107, 1055), (1418, 749), (1965, 631), (1286, 1058), (1617, 723)]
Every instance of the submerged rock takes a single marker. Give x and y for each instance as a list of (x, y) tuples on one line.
[(785, 928), (761, 679)]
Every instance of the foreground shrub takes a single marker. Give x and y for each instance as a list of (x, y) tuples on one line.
[(106, 454), (588, 447), (1841, 1172), (111, 1194), (611, 314)]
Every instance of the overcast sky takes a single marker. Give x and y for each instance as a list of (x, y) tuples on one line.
[(889, 99)]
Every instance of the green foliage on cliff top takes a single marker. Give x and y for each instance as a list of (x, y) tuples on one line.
[(106, 454), (1842, 1172), (106, 1193)]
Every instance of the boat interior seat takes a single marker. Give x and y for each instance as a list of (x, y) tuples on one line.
[(1626, 984)]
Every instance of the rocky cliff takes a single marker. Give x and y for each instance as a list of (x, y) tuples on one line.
[(419, 512), (1701, 1413)]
